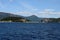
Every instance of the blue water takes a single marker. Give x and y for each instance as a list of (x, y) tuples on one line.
[(29, 31)]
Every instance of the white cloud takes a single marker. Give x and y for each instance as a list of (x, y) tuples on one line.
[(24, 13), (49, 10), (48, 13), (43, 13)]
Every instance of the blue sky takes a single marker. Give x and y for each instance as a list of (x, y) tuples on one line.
[(40, 8)]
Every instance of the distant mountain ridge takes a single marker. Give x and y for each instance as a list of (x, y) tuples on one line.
[(33, 18), (8, 17), (4, 14)]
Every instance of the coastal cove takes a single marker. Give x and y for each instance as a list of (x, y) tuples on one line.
[(29, 31)]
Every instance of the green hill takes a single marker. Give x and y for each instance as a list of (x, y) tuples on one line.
[(14, 19)]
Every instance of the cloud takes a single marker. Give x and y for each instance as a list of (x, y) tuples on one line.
[(24, 13), (49, 10), (43, 14), (48, 13)]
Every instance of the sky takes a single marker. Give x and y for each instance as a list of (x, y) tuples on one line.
[(40, 8)]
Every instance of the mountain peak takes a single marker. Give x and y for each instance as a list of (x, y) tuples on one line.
[(34, 16)]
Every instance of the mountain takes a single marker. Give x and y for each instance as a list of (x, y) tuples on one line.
[(18, 18), (33, 18), (4, 15), (8, 17), (14, 19)]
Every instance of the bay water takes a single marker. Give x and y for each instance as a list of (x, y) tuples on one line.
[(29, 31)]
